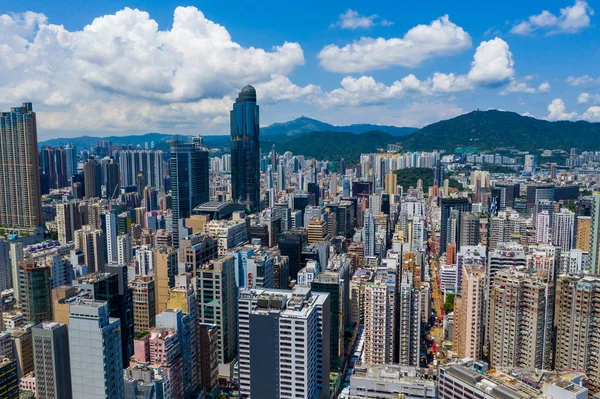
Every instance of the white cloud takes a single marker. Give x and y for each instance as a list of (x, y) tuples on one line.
[(133, 73), (440, 38), (584, 80), (571, 20), (558, 111), (592, 114), (351, 19), (544, 87), (492, 64), (586, 98)]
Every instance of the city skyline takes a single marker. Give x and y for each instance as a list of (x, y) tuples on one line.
[(355, 63)]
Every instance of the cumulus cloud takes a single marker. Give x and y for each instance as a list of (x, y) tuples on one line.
[(558, 111), (516, 86), (571, 20), (587, 98), (351, 19), (132, 71), (492, 64), (592, 114), (440, 38), (584, 80)]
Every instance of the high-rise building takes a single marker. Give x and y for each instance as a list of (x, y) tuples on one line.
[(467, 338), (91, 242), (187, 336), (216, 294), (316, 230), (288, 328), (71, 160), (149, 162), (209, 359), (68, 220), (112, 288), (189, 181), (578, 327), (291, 243), (281, 185), (112, 253), (448, 205), (245, 150), (594, 264), (562, 229), (20, 190), (124, 249), (380, 322), (409, 322), (111, 180), (583, 233), (369, 234), (469, 229), (520, 327), (5, 264), (165, 271), (51, 359), (144, 382), (144, 303), (9, 379), (95, 344), (35, 291), (542, 228), (92, 178)]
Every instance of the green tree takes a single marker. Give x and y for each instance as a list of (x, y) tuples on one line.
[(449, 304)]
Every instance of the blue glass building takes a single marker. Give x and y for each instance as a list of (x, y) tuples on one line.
[(245, 150)]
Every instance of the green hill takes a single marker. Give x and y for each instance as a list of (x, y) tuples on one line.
[(488, 130), (303, 125), (335, 145)]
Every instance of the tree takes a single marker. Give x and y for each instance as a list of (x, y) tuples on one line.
[(449, 304)]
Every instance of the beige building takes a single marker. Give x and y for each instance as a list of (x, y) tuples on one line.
[(165, 270), (317, 230), (578, 327), (144, 303), (467, 340), (379, 311), (20, 191), (520, 321), (584, 228)]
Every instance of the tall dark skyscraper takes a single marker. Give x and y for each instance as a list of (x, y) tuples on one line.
[(92, 177), (110, 173), (245, 150), (189, 180), (449, 204)]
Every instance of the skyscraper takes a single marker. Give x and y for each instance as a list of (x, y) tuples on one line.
[(110, 173), (149, 162), (51, 359), (95, 344), (448, 205), (467, 339), (562, 229), (216, 279), (369, 234), (35, 291), (71, 160), (20, 191), (289, 329), (595, 235), (92, 178), (189, 181), (245, 150)]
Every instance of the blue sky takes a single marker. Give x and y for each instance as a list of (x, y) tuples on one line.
[(101, 68)]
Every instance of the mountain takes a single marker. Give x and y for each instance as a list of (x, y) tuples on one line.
[(305, 125), (488, 130), (333, 146)]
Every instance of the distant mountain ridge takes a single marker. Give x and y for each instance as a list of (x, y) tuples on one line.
[(488, 130), (305, 125), (276, 132)]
